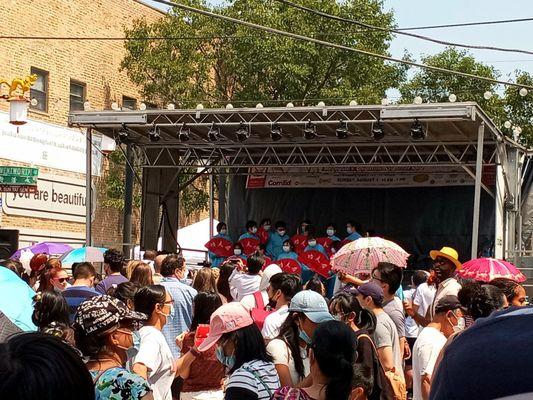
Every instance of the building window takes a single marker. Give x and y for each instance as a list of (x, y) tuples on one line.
[(39, 90), (129, 103), (77, 95)]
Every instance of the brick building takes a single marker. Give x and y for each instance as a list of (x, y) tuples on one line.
[(70, 73)]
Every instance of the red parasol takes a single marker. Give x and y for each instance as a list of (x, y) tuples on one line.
[(487, 269)]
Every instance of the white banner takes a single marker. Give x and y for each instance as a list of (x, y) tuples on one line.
[(378, 177), (39, 143), (57, 197)]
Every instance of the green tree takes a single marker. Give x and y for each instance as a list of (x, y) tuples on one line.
[(235, 63), (519, 108)]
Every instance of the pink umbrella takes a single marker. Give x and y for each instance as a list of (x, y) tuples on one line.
[(363, 255), (487, 269)]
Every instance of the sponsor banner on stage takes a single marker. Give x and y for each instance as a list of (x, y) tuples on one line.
[(354, 177)]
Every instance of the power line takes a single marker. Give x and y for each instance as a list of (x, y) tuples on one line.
[(399, 32), (503, 21), (337, 46)]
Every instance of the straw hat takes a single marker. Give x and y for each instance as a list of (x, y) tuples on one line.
[(449, 254)]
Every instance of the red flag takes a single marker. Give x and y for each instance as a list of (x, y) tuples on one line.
[(249, 245), (290, 266), (220, 247), (299, 242), (316, 261), (263, 235)]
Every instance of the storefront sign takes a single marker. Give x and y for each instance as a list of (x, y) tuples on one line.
[(57, 197)]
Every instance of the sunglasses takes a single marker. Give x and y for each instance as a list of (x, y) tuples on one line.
[(61, 280)]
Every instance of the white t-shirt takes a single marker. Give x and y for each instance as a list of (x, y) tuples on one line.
[(281, 354), (425, 352), (248, 301), (411, 327), (423, 297), (273, 322), (241, 284), (450, 287), (256, 376), (155, 354)]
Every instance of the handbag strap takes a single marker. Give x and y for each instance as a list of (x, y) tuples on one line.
[(256, 376), (258, 296)]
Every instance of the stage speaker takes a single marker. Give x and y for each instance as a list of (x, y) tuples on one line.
[(9, 242)]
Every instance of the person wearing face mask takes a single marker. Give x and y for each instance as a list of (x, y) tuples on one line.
[(287, 251), (312, 244), (154, 360), (445, 265), (103, 332), (222, 232), (179, 320), (281, 290), (329, 239), (447, 321), (277, 240), (238, 252), (307, 310), (251, 231), (385, 336), (351, 230), (264, 232), (240, 347)]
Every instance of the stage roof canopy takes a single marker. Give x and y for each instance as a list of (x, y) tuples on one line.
[(450, 136)]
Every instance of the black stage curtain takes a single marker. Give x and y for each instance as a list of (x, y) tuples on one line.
[(419, 219)]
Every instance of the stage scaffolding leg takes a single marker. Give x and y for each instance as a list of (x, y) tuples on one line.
[(211, 204), (477, 190), (499, 234), (128, 202), (88, 188)]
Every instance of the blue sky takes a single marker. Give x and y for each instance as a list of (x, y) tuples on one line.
[(410, 13)]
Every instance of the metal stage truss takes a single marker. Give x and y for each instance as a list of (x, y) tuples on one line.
[(300, 140)]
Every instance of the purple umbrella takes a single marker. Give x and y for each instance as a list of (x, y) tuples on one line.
[(49, 248)]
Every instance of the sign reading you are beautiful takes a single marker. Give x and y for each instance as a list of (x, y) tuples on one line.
[(56, 197)]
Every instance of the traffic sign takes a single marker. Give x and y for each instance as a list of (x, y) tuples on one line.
[(18, 189), (18, 176)]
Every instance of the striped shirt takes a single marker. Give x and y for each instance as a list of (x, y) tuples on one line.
[(257, 376)]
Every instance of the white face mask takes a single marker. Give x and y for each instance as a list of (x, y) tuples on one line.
[(349, 229), (286, 249), (223, 231), (267, 227), (330, 232), (312, 243), (461, 324), (282, 233), (237, 252), (254, 230)]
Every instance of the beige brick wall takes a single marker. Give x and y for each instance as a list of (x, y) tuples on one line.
[(95, 63)]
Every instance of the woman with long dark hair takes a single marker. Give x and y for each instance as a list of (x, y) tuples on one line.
[(154, 360), (202, 373), (346, 308), (514, 292), (480, 300), (332, 355), (51, 315), (226, 269), (241, 349)]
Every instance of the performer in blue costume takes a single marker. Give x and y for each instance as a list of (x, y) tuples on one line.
[(222, 232), (277, 240), (351, 229), (251, 231), (331, 231), (313, 245), (237, 251), (287, 251)]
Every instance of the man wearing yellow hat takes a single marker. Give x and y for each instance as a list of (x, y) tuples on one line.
[(445, 265)]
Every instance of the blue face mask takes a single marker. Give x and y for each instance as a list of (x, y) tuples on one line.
[(304, 336), (133, 350), (228, 361)]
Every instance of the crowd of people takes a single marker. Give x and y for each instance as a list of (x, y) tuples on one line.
[(155, 329)]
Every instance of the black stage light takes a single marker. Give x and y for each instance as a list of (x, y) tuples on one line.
[(377, 130), (214, 133), (184, 134), (417, 131), (242, 133), (154, 135), (310, 130), (342, 130), (276, 133)]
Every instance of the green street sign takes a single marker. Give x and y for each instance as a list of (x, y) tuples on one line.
[(18, 176)]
